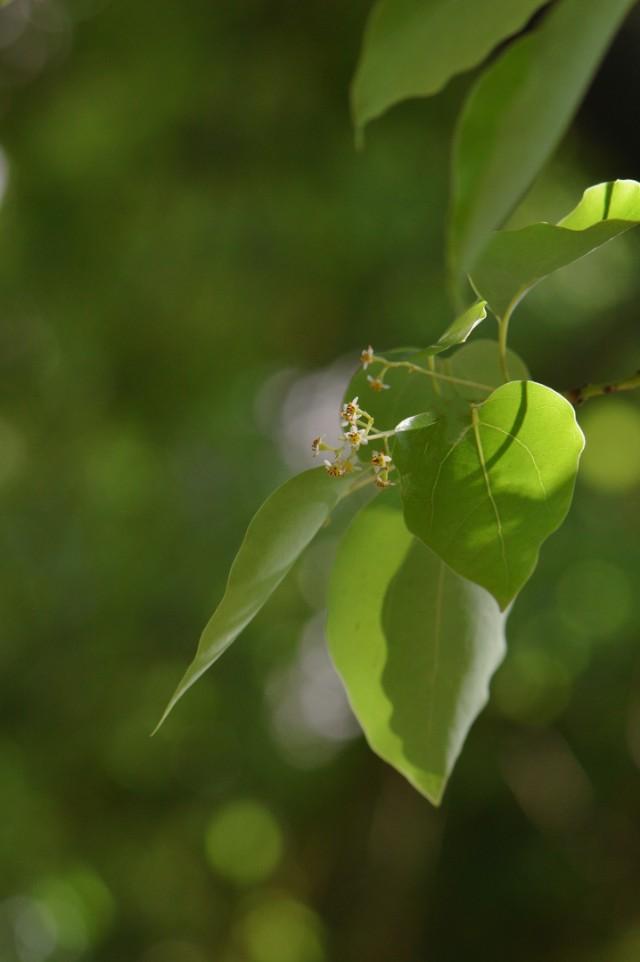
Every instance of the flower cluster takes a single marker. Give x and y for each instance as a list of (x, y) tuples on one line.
[(357, 431)]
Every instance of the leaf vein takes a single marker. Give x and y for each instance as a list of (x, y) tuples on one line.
[(439, 472), (527, 449)]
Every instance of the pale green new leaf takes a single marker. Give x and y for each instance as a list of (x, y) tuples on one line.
[(460, 330), (411, 48), (517, 113), (485, 491), (414, 644), (278, 534), (417, 422), (515, 260)]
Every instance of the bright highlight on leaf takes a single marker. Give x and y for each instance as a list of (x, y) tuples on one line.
[(283, 527), (414, 644), (486, 491), (412, 48), (517, 113), (515, 260)]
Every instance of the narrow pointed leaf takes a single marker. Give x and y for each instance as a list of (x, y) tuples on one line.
[(417, 422), (485, 491), (278, 534), (515, 260), (411, 48), (414, 644), (462, 327), (517, 113)]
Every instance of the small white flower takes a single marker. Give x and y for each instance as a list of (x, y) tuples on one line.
[(338, 467), (366, 357), (335, 469), (350, 412), (380, 460), (356, 437), (376, 384)]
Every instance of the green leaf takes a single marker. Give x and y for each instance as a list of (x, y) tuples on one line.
[(462, 327), (517, 113), (515, 260), (414, 644), (417, 422), (486, 490), (278, 534), (411, 48), (412, 394)]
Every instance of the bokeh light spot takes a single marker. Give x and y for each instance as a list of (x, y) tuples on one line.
[(532, 687), (594, 597), (611, 460), (80, 906), (244, 842), (33, 932), (283, 930)]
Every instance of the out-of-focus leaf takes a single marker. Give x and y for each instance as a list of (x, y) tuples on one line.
[(278, 534), (485, 491), (515, 260), (414, 643), (516, 114), (411, 48)]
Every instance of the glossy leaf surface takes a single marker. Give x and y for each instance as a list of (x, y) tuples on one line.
[(485, 490), (414, 644), (412, 48), (278, 534), (517, 113), (514, 261)]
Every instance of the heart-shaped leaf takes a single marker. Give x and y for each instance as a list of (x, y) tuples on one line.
[(515, 260), (517, 113), (414, 643), (411, 48), (486, 490), (278, 534)]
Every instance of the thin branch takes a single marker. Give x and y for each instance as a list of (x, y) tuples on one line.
[(416, 369), (578, 395)]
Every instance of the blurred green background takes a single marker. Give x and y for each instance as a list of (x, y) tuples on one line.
[(188, 242)]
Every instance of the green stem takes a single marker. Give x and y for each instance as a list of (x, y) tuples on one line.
[(503, 337), (431, 361), (416, 369), (579, 395), (382, 434)]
